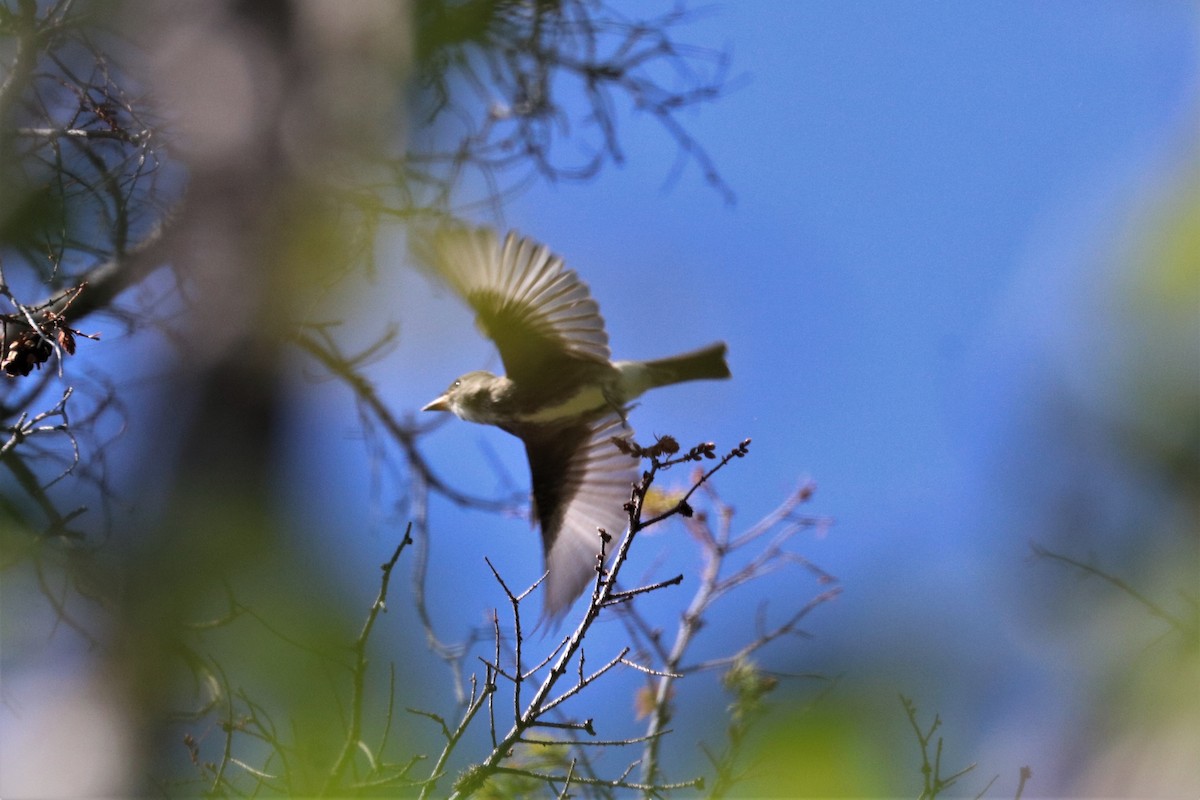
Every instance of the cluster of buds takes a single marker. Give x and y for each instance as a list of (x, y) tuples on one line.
[(33, 347), (663, 446), (668, 446)]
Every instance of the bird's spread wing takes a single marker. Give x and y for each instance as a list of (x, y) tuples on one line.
[(540, 315), (581, 482)]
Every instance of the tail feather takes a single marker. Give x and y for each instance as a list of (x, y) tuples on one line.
[(707, 363)]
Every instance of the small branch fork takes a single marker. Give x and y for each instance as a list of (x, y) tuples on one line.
[(239, 714), (934, 784), (931, 772), (37, 337), (568, 658), (354, 733), (716, 545), (321, 346), (420, 475)]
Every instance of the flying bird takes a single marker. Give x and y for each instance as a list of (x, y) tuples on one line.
[(562, 395)]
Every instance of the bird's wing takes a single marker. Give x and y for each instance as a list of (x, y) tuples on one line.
[(540, 315), (581, 482)]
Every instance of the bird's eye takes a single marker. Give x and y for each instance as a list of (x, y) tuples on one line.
[(457, 384)]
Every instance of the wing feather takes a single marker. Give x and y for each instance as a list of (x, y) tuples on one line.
[(581, 482), (540, 315)]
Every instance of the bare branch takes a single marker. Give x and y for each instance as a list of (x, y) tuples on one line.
[(405, 435), (354, 731), (1088, 569), (934, 783)]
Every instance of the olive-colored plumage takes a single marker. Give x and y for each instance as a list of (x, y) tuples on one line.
[(561, 394)]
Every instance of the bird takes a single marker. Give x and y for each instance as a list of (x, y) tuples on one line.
[(562, 394)]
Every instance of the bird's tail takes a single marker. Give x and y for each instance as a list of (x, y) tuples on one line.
[(707, 363)]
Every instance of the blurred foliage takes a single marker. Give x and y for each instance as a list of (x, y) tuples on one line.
[(1148, 692), (818, 752), (1162, 318), (209, 170), (1120, 510)]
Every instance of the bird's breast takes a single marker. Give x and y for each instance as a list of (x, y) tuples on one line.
[(584, 402)]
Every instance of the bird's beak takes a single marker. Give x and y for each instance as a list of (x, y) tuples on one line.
[(442, 403)]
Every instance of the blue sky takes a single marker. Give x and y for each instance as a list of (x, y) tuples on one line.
[(920, 284), (929, 200), (928, 197)]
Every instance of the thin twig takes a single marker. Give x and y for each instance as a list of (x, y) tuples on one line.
[(354, 731)]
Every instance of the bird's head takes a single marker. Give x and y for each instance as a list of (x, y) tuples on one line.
[(472, 397)]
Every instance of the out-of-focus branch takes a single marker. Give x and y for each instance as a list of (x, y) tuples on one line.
[(114, 275), (27, 27), (1186, 627), (496, 77), (358, 693), (931, 772), (326, 352), (421, 479)]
